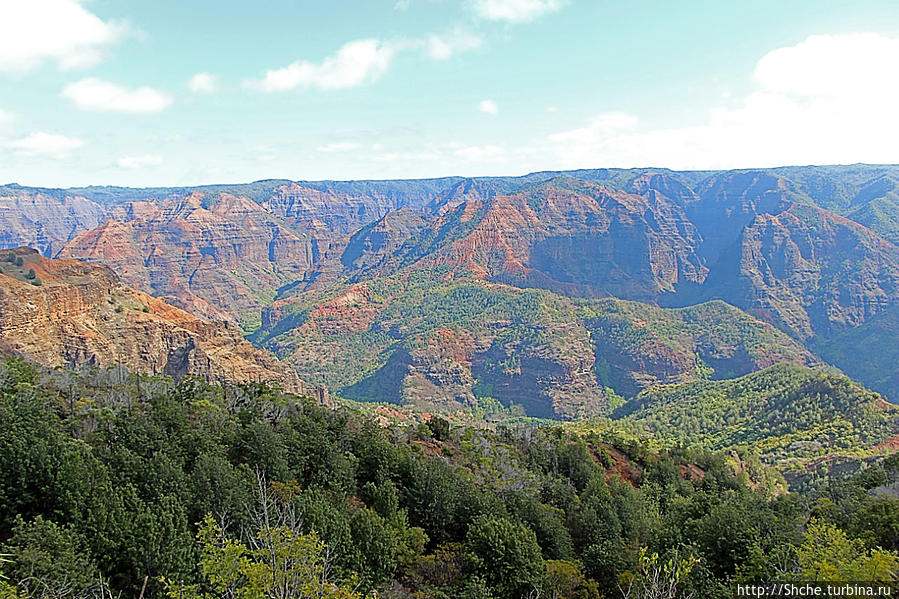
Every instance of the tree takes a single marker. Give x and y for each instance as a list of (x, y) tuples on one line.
[(505, 555), (285, 565), (48, 558), (566, 581), (7, 591), (879, 517), (828, 555)]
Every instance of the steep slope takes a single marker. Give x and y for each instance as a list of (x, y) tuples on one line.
[(876, 206), (343, 208), (438, 344), (640, 346), (69, 313), (778, 243), (870, 352), (218, 256), (785, 407), (807, 270), (567, 235), (44, 221)]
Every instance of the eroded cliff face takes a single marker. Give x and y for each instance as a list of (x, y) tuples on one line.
[(221, 257), (43, 221), (809, 271), (69, 313), (769, 241), (341, 212), (567, 235)]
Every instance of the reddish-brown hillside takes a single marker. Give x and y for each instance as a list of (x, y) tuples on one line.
[(69, 313)]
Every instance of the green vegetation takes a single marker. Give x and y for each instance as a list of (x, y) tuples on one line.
[(397, 338), (869, 351), (110, 480), (782, 411)]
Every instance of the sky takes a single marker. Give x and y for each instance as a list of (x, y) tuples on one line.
[(168, 93)]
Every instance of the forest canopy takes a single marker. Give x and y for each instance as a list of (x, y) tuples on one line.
[(113, 482)]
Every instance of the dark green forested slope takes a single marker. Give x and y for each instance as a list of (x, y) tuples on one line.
[(785, 406), (870, 352), (195, 488)]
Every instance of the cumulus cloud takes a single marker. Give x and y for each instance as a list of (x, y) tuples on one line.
[(136, 162), (102, 96), (203, 83), (828, 99), (361, 62), (34, 31), (6, 116), (444, 46), (338, 146), (488, 106), (355, 63), (830, 66), (45, 144), (517, 11)]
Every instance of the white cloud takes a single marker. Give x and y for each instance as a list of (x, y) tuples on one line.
[(136, 162), (45, 144), (6, 116), (355, 63), (488, 106), (443, 46), (829, 99), (832, 66), (102, 96), (33, 31), (519, 11), (203, 83), (338, 146)]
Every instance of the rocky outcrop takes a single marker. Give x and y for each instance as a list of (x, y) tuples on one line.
[(69, 313), (447, 369)]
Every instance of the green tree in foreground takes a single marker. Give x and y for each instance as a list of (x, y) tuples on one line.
[(505, 555), (285, 565), (828, 555)]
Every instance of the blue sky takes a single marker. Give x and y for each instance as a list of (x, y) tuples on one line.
[(130, 92)]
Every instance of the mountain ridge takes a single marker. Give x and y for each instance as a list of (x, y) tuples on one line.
[(779, 243)]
